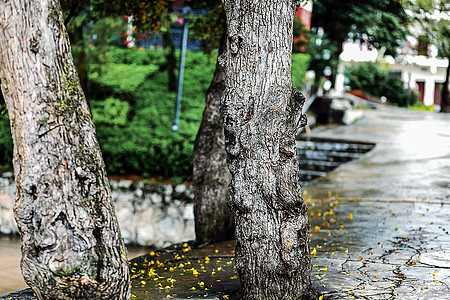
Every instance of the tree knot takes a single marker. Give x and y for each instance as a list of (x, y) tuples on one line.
[(235, 42)]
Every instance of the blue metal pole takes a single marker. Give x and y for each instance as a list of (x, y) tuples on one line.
[(186, 11)]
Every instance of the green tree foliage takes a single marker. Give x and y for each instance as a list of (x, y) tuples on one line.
[(101, 19), (210, 27), (377, 23), (6, 146), (375, 81), (432, 15)]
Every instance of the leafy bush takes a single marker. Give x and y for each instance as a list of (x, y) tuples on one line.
[(145, 143), (378, 82), (300, 63), (110, 111), (121, 77), (421, 107), (6, 146), (137, 57)]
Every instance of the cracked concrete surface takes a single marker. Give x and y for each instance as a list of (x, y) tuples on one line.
[(385, 251), (396, 243)]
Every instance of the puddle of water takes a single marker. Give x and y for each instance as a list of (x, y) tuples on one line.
[(10, 275)]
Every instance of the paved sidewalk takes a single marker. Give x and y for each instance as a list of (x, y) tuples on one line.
[(380, 225), (411, 159), (394, 205)]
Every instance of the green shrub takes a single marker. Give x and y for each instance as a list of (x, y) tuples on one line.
[(6, 145), (137, 57), (421, 107), (122, 78), (145, 144), (300, 63), (110, 111), (378, 82)]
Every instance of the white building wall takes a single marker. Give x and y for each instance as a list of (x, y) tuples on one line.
[(430, 71)]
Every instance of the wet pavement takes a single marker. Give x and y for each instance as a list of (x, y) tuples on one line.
[(379, 225), (411, 159), (10, 275), (394, 205)]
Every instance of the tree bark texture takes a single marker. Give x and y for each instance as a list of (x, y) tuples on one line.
[(213, 219), (71, 242), (262, 114)]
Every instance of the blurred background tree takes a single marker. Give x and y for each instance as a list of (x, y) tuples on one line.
[(432, 15), (376, 23), (374, 80)]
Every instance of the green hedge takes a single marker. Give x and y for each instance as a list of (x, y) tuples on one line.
[(300, 63), (145, 144), (133, 111), (6, 146)]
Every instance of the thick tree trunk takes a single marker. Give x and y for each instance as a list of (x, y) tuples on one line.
[(71, 243), (262, 113), (213, 219), (445, 99)]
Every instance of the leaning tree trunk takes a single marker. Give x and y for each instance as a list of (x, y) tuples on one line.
[(171, 61), (213, 219), (71, 243), (262, 113)]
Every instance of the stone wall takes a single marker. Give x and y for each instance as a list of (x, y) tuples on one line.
[(148, 214)]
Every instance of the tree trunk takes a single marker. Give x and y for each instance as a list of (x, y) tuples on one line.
[(213, 219), (262, 113), (445, 101), (170, 59), (71, 242)]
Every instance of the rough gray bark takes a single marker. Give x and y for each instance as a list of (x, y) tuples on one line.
[(262, 113), (71, 243), (213, 219)]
